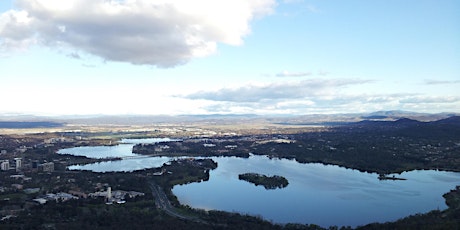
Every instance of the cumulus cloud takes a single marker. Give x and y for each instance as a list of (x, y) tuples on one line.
[(277, 91), (153, 32), (15, 30)]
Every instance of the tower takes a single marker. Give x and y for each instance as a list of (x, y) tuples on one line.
[(109, 193), (18, 162)]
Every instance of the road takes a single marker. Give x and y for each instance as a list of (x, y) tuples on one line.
[(162, 202)]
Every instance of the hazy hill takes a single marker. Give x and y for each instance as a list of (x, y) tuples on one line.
[(312, 119)]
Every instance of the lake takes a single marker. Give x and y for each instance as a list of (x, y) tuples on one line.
[(318, 194), (130, 162)]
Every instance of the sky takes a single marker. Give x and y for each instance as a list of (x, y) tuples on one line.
[(159, 57)]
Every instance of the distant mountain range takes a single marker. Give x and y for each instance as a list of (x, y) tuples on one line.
[(31, 121), (341, 119), (406, 122)]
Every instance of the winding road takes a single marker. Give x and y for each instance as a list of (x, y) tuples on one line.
[(162, 202)]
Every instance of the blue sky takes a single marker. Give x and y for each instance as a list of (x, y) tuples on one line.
[(262, 57)]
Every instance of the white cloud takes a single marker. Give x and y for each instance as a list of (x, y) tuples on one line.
[(277, 91), (430, 100), (313, 9), (316, 96), (162, 33), (15, 30), (292, 1), (441, 82), (286, 73)]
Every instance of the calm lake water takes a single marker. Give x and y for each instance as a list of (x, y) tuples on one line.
[(131, 161), (320, 194)]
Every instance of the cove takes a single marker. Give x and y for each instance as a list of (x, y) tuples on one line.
[(319, 194)]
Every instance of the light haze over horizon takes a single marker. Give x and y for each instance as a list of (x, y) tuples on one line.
[(228, 57)]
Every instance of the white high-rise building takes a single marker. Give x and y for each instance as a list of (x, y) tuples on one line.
[(18, 162), (5, 165)]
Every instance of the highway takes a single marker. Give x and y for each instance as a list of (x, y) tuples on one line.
[(162, 202)]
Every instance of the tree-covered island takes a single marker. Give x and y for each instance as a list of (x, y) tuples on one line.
[(269, 182)]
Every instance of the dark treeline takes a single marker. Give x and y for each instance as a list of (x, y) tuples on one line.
[(382, 147), (269, 182)]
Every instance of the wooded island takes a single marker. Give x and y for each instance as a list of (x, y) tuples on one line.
[(272, 182)]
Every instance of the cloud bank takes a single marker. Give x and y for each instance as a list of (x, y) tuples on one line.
[(314, 96), (152, 32), (277, 91)]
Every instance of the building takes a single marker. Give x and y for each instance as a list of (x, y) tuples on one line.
[(48, 167), (18, 162), (58, 197), (5, 165), (3, 152), (78, 194), (109, 193)]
